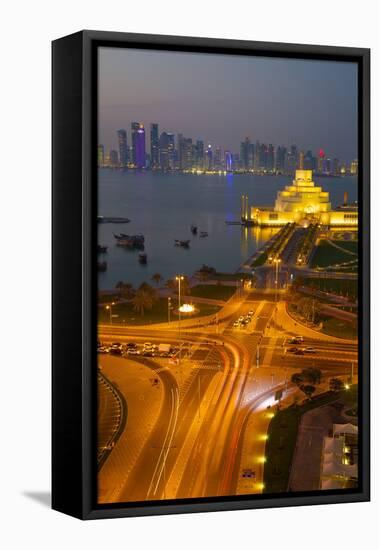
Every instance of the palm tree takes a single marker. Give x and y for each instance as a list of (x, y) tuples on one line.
[(157, 277), (124, 289), (308, 390), (142, 301)]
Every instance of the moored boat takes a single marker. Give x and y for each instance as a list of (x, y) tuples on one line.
[(142, 258), (183, 244)]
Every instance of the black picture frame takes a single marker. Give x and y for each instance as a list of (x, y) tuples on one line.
[(74, 272)]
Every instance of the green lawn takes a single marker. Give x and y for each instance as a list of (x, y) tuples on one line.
[(230, 276), (339, 328), (346, 287), (158, 314), (214, 292), (326, 254), (351, 246), (282, 435)]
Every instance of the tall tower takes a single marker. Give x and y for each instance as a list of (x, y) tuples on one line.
[(140, 149), (122, 147), (135, 127), (154, 145), (301, 160)]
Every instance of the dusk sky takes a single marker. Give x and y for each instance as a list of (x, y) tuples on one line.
[(222, 98)]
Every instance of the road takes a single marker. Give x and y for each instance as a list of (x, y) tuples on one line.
[(214, 402)]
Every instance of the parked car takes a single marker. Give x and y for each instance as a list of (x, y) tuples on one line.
[(309, 350)]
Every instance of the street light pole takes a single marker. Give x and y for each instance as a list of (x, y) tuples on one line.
[(169, 308), (180, 278)]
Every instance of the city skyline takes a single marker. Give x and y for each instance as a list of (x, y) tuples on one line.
[(172, 151), (278, 100)]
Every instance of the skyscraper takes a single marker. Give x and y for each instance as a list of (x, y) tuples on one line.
[(199, 154), (113, 157), (270, 157), (301, 160), (122, 147), (154, 146), (167, 151), (218, 159), (135, 127), (228, 159), (209, 158), (100, 156), (139, 148), (354, 167), (247, 154), (185, 151)]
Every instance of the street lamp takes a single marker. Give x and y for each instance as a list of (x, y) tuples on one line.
[(277, 261), (109, 307), (180, 278)]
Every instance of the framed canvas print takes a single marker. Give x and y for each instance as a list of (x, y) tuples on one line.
[(210, 274)]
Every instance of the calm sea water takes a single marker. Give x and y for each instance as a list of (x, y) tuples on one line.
[(164, 206)]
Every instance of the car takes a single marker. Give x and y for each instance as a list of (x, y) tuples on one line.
[(147, 345), (131, 345), (248, 472), (293, 350), (116, 345), (236, 324), (103, 349), (309, 350), (299, 352), (148, 353), (251, 312), (132, 351)]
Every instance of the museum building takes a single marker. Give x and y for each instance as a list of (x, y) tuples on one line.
[(301, 202)]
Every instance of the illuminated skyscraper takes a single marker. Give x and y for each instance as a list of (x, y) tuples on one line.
[(154, 146), (354, 167), (209, 158), (122, 147), (228, 160), (139, 150), (218, 159), (167, 151), (301, 160), (280, 159), (135, 128), (320, 161), (185, 152), (336, 167), (100, 155), (247, 154), (199, 154), (113, 157), (270, 164)]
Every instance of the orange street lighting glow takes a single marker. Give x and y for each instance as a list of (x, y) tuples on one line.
[(187, 308)]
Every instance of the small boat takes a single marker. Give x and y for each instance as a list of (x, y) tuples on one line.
[(105, 219), (138, 237), (194, 229), (183, 244), (102, 266), (203, 234), (101, 249), (130, 243), (142, 258)]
